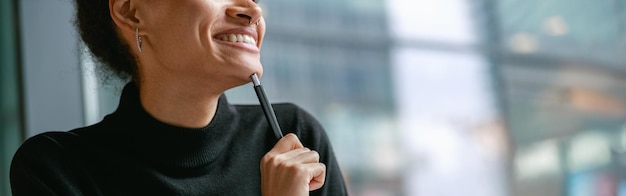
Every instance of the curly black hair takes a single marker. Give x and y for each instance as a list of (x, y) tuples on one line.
[(98, 32)]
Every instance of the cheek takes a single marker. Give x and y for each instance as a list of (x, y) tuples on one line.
[(185, 40), (184, 18)]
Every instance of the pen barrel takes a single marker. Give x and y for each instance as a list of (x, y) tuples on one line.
[(269, 112)]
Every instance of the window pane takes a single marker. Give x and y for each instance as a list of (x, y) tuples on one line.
[(10, 114)]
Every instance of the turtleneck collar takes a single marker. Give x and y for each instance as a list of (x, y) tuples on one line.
[(167, 145)]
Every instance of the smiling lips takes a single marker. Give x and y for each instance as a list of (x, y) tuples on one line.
[(234, 38)]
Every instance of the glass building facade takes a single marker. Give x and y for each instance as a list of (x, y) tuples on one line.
[(564, 89)]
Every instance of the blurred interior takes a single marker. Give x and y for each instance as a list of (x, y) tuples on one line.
[(419, 97)]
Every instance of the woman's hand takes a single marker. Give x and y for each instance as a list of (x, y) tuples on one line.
[(290, 169)]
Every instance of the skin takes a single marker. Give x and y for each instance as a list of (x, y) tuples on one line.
[(184, 68)]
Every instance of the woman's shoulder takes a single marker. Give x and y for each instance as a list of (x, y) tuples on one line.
[(290, 109), (288, 114), (47, 144), (46, 163), (287, 107), (50, 138), (296, 116), (302, 123), (45, 150)]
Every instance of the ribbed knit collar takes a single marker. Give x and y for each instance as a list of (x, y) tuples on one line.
[(171, 146)]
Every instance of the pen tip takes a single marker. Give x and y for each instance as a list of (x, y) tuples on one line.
[(255, 79)]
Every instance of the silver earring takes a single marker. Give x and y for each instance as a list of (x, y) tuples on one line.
[(138, 38)]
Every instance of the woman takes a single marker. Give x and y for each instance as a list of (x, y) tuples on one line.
[(174, 133)]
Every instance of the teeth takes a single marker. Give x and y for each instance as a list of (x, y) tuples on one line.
[(237, 38), (240, 38)]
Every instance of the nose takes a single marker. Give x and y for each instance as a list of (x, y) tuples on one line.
[(244, 12)]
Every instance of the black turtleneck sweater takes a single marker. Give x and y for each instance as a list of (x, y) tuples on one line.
[(131, 153)]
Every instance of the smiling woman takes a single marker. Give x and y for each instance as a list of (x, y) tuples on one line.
[(174, 132)]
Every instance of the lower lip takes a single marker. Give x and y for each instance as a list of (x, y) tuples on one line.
[(245, 46)]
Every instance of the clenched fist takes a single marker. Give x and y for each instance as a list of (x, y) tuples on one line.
[(290, 169)]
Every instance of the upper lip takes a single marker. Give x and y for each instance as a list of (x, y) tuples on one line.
[(244, 31)]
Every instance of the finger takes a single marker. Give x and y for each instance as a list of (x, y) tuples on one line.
[(287, 143), (310, 156), (318, 175), (293, 153)]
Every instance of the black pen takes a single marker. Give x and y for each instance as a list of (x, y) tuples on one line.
[(267, 108)]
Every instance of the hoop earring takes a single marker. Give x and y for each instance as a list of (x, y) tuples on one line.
[(138, 38)]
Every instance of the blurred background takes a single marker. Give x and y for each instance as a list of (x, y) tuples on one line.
[(419, 97)]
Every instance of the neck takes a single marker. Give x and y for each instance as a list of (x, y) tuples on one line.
[(179, 104)]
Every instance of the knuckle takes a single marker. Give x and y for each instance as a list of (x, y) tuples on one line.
[(267, 158), (285, 164), (293, 137), (316, 155), (272, 160), (276, 160), (290, 135), (297, 169)]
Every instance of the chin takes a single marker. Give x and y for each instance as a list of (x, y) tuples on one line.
[(256, 68), (243, 77)]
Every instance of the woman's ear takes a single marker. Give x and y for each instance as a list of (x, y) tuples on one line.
[(123, 15)]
